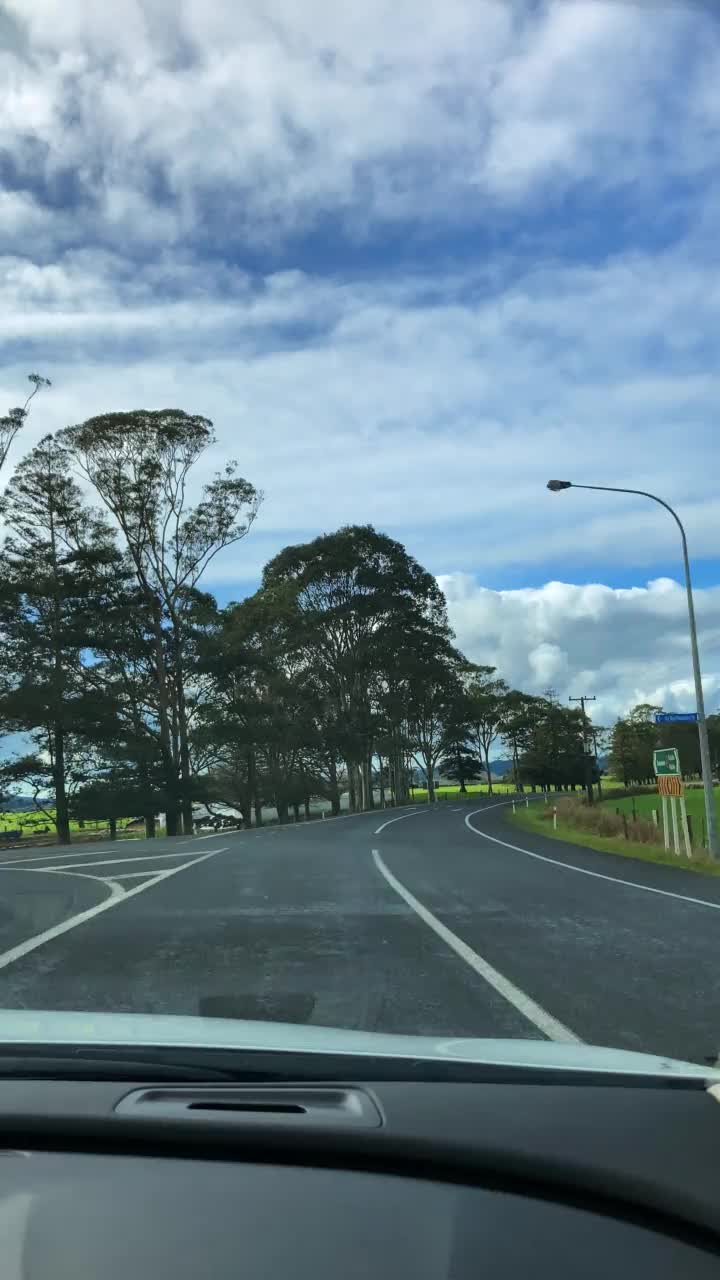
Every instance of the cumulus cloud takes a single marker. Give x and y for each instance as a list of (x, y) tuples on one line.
[(623, 645), (257, 120), (412, 261)]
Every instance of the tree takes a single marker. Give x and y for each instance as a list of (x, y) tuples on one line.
[(141, 465), (59, 560), (634, 738), (355, 603), (461, 766), (15, 419), (487, 709)]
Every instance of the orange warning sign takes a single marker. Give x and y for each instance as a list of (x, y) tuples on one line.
[(670, 785)]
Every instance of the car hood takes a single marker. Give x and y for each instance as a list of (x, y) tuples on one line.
[(126, 1030)]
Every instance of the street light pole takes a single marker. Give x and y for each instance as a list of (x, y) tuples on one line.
[(706, 765)]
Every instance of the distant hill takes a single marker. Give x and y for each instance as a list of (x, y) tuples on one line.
[(20, 804)]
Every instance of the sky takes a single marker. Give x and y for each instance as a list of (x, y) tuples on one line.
[(413, 261)]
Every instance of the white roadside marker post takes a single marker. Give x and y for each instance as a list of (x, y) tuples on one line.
[(666, 829), (676, 833), (686, 832)]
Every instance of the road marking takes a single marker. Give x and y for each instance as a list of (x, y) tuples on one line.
[(524, 1003), (389, 822), (117, 895), (111, 862), (583, 871)]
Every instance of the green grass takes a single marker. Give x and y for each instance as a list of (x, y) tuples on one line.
[(534, 819), (694, 800), (32, 821), (472, 789)]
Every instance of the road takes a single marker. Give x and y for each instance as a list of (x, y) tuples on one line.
[(446, 921)]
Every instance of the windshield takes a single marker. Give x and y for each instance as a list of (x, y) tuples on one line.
[(364, 686)]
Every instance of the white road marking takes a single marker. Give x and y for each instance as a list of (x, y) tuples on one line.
[(524, 1003), (117, 895), (583, 871), (48, 857), (111, 862), (390, 821)]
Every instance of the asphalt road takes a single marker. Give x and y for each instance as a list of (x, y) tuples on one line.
[(445, 921)]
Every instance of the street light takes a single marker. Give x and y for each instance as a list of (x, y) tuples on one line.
[(556, 486)]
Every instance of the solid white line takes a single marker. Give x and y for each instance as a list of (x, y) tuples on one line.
[(525, 1005), (390, 821), (117, 895), (111, 862), (583, 871)]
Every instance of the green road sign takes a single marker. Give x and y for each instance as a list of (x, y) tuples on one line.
[(667, 762)]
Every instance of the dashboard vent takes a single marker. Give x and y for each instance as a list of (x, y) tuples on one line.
[(305, 1105)]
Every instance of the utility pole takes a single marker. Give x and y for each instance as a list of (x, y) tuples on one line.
[(594, 732), (586, 697)]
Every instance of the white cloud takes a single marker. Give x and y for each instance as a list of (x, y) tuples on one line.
[(261, 118), (623, 645)]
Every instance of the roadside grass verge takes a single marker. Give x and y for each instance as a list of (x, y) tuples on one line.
[(538, 818), (643, 806)]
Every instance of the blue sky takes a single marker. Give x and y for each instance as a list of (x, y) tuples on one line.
[(412, 262)]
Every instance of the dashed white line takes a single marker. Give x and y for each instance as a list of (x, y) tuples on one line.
[(583, 871), (117, 895), (524, 1003)]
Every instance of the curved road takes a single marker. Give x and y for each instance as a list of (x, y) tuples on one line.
[(444, 921)]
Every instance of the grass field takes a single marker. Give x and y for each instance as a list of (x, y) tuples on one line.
[(472, 789), (694, 800), (33, 823), (536, 819)]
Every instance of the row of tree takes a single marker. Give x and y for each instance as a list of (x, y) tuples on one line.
[(140, 695), (636, 736)]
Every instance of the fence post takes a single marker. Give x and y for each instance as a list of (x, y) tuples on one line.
[(655, 816), (625, 826), (689, 827), (527, 803)]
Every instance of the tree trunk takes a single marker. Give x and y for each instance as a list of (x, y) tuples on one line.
[(184, 747), (487, 769), (352, 798), (306, 804), (62, 815), (381, 779), (368, 783), (334, 789), (257, 805), (112, 824), (296, 810), (173, 821), (429, 772), (282, 808), (150, 826)]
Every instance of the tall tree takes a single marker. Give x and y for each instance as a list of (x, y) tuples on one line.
[(487, 708), (355, 599), (15, 419), (141, 465), (59, 561)]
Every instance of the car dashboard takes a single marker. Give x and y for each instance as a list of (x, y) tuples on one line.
[(361, 1176)]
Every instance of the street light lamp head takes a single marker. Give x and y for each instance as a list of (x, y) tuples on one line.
[(557, 485)]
